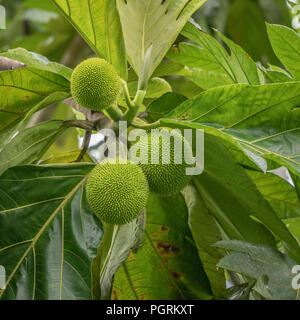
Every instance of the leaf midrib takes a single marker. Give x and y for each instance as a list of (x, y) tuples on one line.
[(40, 232)]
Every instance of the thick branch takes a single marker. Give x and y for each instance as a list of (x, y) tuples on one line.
[(10, 64), (82, 124), (85, 144), (93, 116)]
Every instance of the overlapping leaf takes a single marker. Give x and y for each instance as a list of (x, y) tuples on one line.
[(271, 268), (114, 250), (286, 45), (260, 123), (99, 23), (30, 145), (34, 60), (22, 120), (162, 106), (281, 195), (293, 225), (276, 74), (210, 64), (262, 120), (24, 91), (49, 236), (232, 198), (152, 24), (206, 232), (167, 265), (156, 88), (230, 194)]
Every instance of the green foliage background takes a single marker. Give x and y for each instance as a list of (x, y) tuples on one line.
[(238, 79)]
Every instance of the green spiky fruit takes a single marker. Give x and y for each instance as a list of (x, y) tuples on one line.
[(165, 178), (116, 192), (95, 84)]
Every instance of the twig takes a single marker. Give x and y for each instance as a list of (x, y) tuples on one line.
[(90, 115), (99, 118), (139, 123), (85, 145), (10, 64), (82, 124)]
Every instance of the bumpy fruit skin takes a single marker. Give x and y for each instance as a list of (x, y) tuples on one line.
[(165, 179), (116, 192), (95, 84)]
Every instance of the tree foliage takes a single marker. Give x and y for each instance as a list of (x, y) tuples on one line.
[(185, 65)]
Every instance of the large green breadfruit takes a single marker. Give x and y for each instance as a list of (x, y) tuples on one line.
[(95, 84), (116, 192), (165, 178)]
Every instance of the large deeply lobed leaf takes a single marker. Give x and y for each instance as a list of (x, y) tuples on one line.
[(99, 24), (49, 236), (152, 24)]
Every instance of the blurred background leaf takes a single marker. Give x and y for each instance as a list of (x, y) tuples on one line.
[(249, 32)]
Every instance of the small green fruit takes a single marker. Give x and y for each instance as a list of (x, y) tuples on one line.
[(95, 84), (165, 179), (116, 192)]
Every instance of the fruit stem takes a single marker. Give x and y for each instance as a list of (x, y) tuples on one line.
[(131, 114), (139, 97), (127, 95), (140, 124), (134, 106), (114, 112)]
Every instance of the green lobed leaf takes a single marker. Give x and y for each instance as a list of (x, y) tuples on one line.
[(207, 79), (139, 19), (99, 24), (49, 235), (167, 265), (26, 88), (211, 58), (29, 145), (170, 68), (20, 122)]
